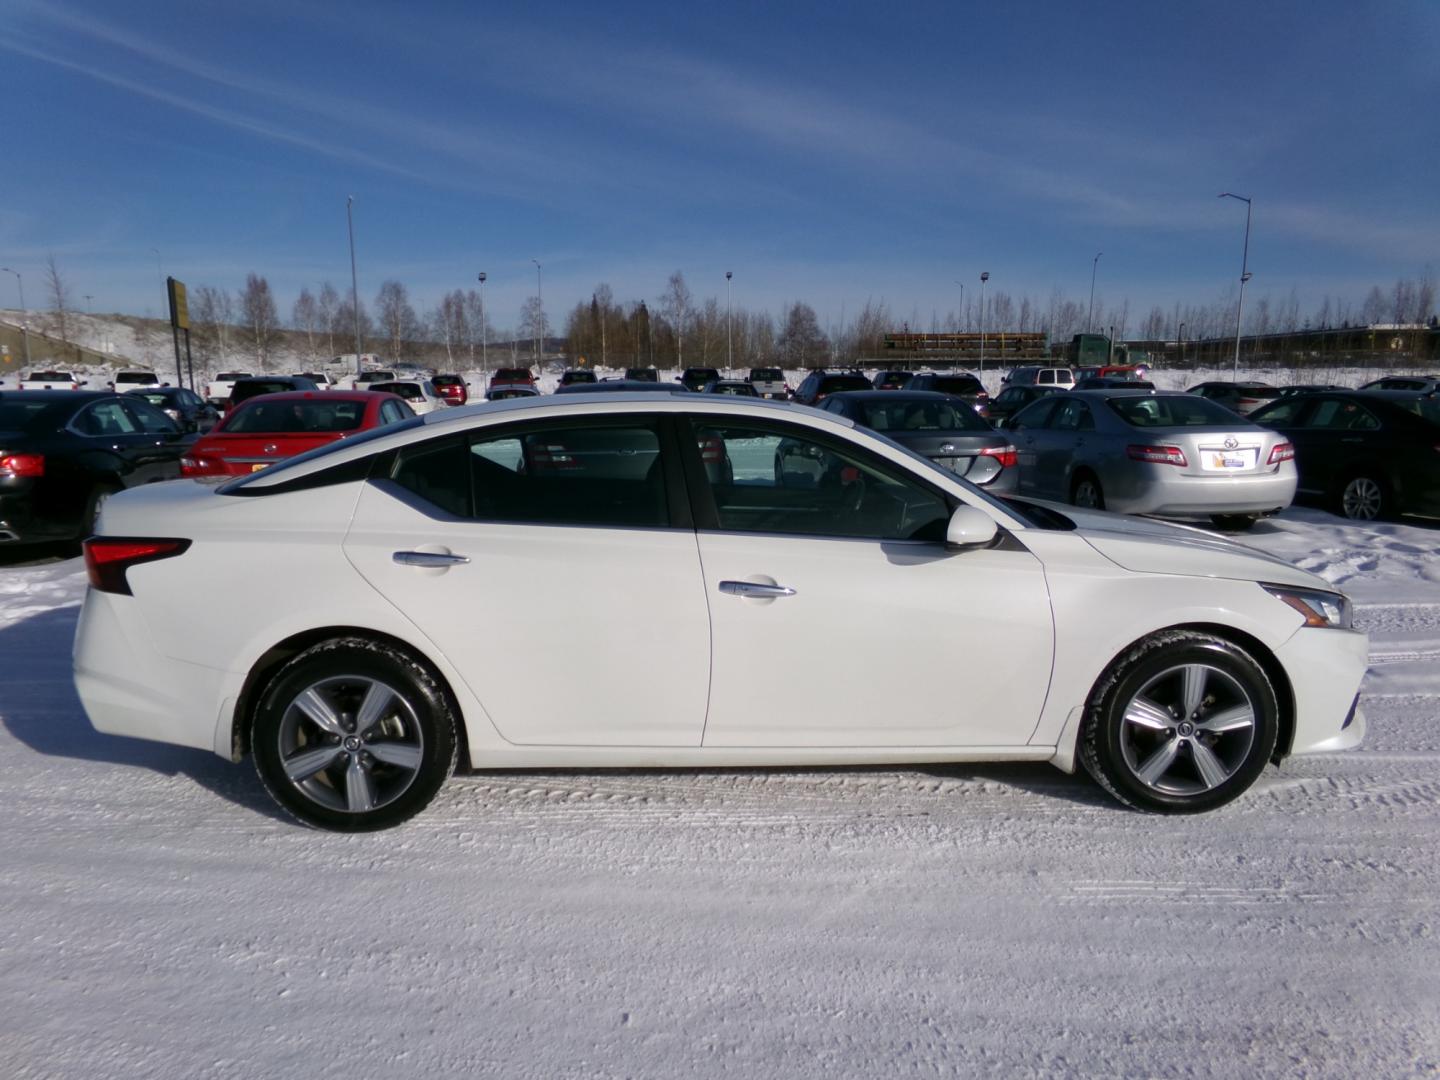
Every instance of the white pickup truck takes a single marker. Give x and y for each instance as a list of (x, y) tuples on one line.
[(136, 380), (217, 391), (52, 380), (769, 383)]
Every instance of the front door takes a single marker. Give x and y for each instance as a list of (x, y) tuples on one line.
[(838, 615), (542, 561)]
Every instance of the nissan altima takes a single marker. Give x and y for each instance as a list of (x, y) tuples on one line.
[(406, 590)]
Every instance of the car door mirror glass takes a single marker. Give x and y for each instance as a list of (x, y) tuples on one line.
[(970, 527)]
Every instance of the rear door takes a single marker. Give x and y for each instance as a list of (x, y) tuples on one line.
[(554, 564)]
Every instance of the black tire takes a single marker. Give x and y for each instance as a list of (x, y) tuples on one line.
[(394, 764), (1086, 486), (1234, 522), (1363, 496), (1122, 754)]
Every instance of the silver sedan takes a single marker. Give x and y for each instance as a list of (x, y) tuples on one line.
[(1143, 452)]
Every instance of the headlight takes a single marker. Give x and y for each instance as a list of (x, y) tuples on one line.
[(1325, 609)]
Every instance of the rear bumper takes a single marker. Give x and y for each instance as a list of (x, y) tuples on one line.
[(1200, 496), (127, 687)]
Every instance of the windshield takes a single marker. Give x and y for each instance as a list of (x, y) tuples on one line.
[(1178, 410), (408, 391), (956, 384), (294, 417), (909, 416)]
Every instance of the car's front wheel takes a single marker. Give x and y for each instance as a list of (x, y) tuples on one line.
[(1183, 722), (353, 735)]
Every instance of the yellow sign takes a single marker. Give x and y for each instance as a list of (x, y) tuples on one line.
[(179, 309)]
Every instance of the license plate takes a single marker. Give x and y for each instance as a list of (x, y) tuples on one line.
[(1216, 459), (261, 465)]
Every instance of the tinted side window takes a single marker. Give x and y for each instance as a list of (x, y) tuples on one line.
[(151, 420), (580, 475), (106, 418), (1035, 415), (1280, 414), (439, 472), (785, 480)]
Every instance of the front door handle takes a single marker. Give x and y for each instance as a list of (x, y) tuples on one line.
[(428, 558), (754, 589)]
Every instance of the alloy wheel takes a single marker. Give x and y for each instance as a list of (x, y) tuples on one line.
[(1362, 499), (1188, 730), (350, 744)]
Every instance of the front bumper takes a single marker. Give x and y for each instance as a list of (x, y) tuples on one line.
[(1325, 669)]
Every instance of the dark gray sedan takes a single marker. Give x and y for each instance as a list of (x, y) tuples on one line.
[(944, 428), (1150, 452)]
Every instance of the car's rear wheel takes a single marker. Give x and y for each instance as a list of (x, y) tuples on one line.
[(1363, 498), (1181, 723), (1085, 491), (353, 735)]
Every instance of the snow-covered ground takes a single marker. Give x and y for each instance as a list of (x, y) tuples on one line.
[(159, 918)]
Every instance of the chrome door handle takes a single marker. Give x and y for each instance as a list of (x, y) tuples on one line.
[(428, 558), (754, 589)]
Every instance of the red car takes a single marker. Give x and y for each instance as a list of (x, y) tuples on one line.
[(511, 376), (452, 388), (271, 427)]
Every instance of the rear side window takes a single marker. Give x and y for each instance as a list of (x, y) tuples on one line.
[(106, 418), (1336, 415), (151, 420), (590, 475)]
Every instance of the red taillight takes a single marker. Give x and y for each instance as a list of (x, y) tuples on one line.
[(712, 450), (28, 465), (1006, 455), (1282, 452), (200, 466), (108, 557), (1160, 455)]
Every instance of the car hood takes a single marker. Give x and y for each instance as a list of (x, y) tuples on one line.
[(1158, 547)]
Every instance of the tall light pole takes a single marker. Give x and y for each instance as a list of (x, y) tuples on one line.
[(1094, 265), (88, 298), (984, 277), (354, 279), (1182, 344), (539, 309), (960, 319), (1244, 277), (24, 314), (729, 326), (484, 333)]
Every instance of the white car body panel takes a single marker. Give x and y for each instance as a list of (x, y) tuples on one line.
[(963, 658), (597, 642), (541, 622)]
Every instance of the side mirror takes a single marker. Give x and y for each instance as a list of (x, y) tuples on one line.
[(970, 527)]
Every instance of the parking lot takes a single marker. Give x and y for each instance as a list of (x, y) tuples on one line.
[(159, 917)]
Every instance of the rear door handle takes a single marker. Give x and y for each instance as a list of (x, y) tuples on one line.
[(428, 558), (754, 588)]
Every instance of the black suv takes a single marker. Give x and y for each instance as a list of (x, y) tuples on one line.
[(959, 384), (697, 378), (820, 384), (269, 384)]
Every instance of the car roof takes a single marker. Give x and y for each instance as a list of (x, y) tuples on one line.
[(319, 395), (60, 395), (624, 386), (896, 395)]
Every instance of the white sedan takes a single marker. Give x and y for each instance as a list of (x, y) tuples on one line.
[(419, 394), (406, 593)]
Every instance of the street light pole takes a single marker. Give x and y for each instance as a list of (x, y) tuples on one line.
[(484, 333), (354, 280), (1244, 277), (24, 314), (1182, 344), (960, 319), (1094, 265), (729, 326), (539, 309), (984, 277), (88, 298)]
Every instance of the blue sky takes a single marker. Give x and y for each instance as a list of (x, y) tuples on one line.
[(827, 153)]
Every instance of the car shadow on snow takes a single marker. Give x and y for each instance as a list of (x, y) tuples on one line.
[(39, 706)]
